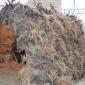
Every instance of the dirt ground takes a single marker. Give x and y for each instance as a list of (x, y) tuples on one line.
[(9, 74)]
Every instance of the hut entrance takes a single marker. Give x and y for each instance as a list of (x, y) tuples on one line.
[(8, 46)]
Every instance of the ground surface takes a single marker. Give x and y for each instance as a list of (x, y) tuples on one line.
[(9, 74)]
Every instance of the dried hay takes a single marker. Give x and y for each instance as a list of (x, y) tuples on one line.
[(7, 37)]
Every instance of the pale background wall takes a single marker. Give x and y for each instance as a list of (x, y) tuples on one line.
[(46, 3)]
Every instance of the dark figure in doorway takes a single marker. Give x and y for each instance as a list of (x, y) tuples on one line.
[(23, 53), (16, 53), (18, 56)]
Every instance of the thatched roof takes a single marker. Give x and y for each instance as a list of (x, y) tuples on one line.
[(53, 42)]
